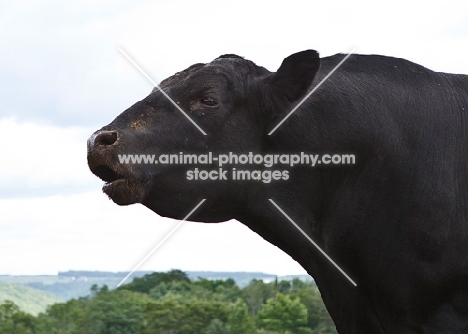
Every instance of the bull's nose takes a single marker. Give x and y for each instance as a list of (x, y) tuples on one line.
[(102, 138)]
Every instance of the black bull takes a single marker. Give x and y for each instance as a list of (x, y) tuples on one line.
[(395, 220)]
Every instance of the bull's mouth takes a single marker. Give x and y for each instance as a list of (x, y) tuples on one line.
[(108, 175), (121, 187)]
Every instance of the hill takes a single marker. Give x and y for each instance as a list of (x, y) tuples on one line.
[(28, 299)]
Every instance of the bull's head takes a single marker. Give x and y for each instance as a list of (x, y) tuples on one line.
[(231, 99)]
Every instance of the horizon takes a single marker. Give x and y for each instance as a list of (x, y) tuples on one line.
[(137, 272)]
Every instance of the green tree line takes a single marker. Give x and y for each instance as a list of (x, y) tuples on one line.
[(171, 303)]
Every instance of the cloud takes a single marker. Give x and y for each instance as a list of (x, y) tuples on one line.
[(87, 231), (56, 68), (43, 160), (59, 60)]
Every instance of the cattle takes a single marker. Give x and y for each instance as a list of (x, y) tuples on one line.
[(395, 220)]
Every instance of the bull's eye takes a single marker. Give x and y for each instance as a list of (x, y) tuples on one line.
[(209, 102)]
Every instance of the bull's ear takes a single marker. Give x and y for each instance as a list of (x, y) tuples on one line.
[(294, 76)]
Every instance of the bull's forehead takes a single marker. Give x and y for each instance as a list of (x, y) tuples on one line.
[(178, 77), (193, 77), (203, 79), (217, 72)]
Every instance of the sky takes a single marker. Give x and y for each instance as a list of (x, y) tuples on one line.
[(62, 77)]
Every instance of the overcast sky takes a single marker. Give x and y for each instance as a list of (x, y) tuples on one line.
[(62, 78)]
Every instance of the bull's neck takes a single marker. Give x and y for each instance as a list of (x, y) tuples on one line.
[(308, 197)]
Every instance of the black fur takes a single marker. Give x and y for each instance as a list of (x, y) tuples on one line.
[(396, 221)]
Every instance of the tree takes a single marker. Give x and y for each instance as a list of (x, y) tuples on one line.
[(184, 292), (13, 320), (116, 312), (180, 291), (62, 318), (149, 281), (196, 316), (193, 317), (318, 318), (216, 326), (284, 287), (162, 317), (7, 309), (257, 293), (240, 320), (284, 315), (219, 290)]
